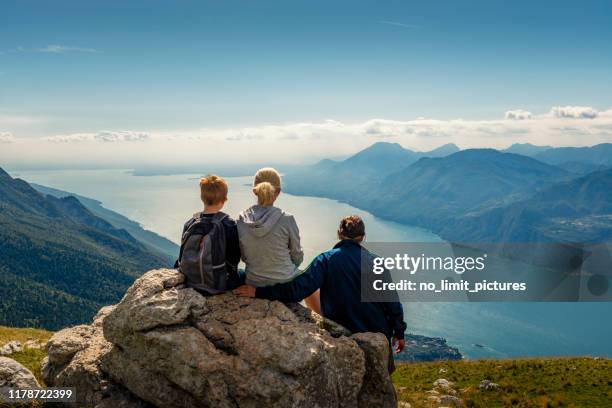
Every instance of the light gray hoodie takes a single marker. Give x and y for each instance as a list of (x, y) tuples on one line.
[(270, 245)]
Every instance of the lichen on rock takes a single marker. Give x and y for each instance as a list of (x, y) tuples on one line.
[(15, 375)]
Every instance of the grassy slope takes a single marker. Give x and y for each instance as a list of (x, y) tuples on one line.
[(9, 333), (30, 358), (549, 382), (546, 382)]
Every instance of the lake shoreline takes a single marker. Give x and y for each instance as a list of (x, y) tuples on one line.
[(162, 204)]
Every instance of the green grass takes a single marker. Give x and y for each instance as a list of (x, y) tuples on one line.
[(545, 382), (30, 358), (9, 333)]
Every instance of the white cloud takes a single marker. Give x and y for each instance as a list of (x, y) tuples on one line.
[(386, 128), (241, 136), (576, 112), (102, 136), (6, 137), (57, 49), (282, 132), (295, 142), (518, 114), (607, 113)]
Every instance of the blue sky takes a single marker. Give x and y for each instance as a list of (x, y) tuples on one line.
[(75, 67)]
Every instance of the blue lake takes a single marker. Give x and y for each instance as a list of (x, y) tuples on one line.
[(163, 203)]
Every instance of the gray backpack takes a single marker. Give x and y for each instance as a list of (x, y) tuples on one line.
[(202, 254)]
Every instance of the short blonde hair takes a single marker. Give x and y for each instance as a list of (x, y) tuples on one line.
[(267, 185), (213, 190)]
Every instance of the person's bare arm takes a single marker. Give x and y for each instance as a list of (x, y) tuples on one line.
[(245, 291), (301, 287), (314, 302)]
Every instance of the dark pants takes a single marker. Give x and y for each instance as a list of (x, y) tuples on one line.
[(236, 280)]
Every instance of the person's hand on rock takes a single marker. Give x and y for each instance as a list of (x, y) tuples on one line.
[(398, 344), (245, 291)]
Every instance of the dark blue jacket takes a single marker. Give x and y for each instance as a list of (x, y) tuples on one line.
[(337, 273)]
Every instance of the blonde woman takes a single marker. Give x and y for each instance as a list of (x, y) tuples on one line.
[(269, 237)]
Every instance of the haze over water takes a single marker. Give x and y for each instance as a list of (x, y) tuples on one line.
[(163, 203)]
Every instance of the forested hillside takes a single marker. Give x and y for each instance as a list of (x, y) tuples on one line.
[(154, 241), (59, 262), (578, 210)]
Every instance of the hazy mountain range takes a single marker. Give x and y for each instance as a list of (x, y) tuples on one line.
[(580, 160), (59, 262), (475, 195), (339, 179)]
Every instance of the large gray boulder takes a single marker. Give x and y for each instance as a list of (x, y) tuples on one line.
[(14, 375), (73, 360), (168, 346)]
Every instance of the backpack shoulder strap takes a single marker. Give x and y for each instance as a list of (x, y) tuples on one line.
[(193, 221), (220, 216)]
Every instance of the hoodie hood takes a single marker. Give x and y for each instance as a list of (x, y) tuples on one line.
[(260, 219)]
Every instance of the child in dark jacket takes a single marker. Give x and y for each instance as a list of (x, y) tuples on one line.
[(337, 273)]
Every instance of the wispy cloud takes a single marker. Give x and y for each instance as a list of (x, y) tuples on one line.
[(6, 137), (57, 49), (575, 112), (102, 136), (241, 136), (398, 24), (518, 114)]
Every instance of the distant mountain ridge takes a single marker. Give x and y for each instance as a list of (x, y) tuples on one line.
[(477, 194), (386, 157), (433, 189), (596, 156), (579, 160), (526, 149), (58, 261), (338, 178)]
